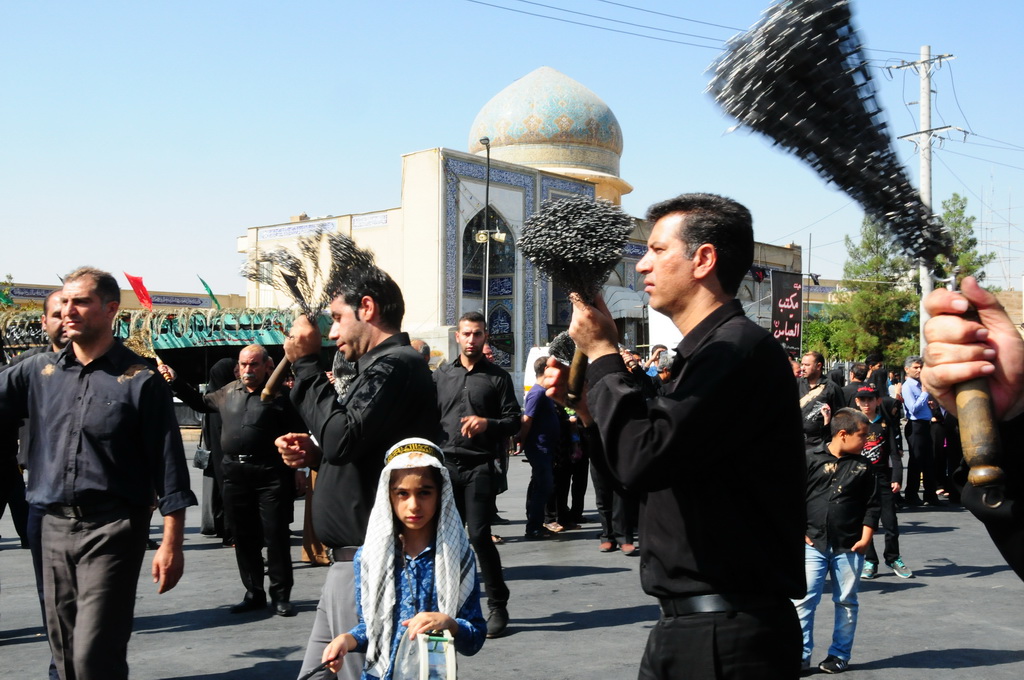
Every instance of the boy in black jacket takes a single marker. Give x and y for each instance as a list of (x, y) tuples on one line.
[(842, 511), (886, 460)]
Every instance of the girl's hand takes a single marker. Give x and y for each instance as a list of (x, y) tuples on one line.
[(339, 647), (427, 621)]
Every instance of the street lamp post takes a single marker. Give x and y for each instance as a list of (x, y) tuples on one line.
[(486, 141)]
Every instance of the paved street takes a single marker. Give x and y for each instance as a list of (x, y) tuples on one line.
[(576, 613)]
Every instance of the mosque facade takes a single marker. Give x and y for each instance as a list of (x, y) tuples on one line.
[(547, 137)]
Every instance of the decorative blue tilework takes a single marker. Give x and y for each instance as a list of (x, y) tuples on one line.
[(549, 184), (454, 168)]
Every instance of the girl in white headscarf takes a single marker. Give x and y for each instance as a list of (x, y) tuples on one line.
[(416, 572)]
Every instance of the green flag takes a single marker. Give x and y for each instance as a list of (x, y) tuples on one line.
[(209, 292), (5, 298)]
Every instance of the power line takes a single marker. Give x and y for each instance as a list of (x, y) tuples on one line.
[(1015, 146), (602, 28), (1006, 165), (971, 191), (617, 21), (671, 16), (952, 84), (805, 228)]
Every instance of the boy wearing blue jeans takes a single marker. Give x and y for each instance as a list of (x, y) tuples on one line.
[(842, 511)]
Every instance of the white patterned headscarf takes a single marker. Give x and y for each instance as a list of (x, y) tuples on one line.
[(454, 567)]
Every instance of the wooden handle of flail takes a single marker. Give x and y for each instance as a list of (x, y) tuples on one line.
[(273, 385), (980, 440), (159, 363), (577, 374)]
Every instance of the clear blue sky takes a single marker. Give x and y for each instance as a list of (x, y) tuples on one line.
[(146, 136)]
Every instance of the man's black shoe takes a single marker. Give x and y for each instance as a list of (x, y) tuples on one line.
[(912, 501), (497, 622), (284, 608), (499, 520), (541, 534), (248, 606)]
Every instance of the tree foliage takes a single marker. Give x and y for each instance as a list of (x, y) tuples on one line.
[(967, 259), (877, 310)]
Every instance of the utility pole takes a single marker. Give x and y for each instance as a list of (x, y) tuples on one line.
[(924, 69)]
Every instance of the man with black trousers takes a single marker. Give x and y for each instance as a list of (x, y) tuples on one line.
[(53, 327), (478, 412), (921, 467), (723, 614), (259, 489), (390, 398), (104, 445)]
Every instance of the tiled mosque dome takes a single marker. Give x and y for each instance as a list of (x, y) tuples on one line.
[(548, 120)]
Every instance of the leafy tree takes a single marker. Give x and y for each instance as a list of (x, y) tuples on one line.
[(877, 312), (965, 245), (5, 291)]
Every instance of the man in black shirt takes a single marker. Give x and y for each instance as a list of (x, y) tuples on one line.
[(858, 373), (819, 399), (104, 444), (390, 398), (718, 487), (53, 327), (259, 489), (478, 412)]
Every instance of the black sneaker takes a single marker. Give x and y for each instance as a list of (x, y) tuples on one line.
[(497, 622), (833, 664)]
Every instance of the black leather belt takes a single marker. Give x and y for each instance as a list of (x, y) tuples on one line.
[(85, 510), (251, 459), (715, 603), (344, 554)]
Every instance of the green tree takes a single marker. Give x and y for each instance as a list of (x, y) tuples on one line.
[(967, 259), (5, 291), (877, 311)]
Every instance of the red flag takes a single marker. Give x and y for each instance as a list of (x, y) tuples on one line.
[(140, 291)]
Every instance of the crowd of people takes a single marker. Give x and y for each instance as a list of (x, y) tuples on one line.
[(409, 462)]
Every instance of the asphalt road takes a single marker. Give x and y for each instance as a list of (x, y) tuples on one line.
[(576, 614)]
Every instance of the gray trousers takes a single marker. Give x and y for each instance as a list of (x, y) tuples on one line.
[(90, 576), (335, 614)]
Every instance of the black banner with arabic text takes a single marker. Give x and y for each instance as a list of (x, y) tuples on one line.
[(787, 303)]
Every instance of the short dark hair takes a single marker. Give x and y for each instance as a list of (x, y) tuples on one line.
[(848, 419), (473, 317), (873, 359), (722, 222), (377, 284), (46, 302), (818, 359), (539, 365), (859, 371), (104, 283)]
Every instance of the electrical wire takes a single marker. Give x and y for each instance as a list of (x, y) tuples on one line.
[(617, 21), (952, 84), (1015, 146), (1005, 165), (602, 28), (638, 35), (671, 16), (805, 228), (971, 191)]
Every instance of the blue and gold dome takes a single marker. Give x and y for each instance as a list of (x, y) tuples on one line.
[(548, 121)]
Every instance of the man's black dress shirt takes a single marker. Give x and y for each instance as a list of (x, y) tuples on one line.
[(816, 432), (391, 398), (721, 479), (842, 498), (486, 391), (107, 432), (249, 425)]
